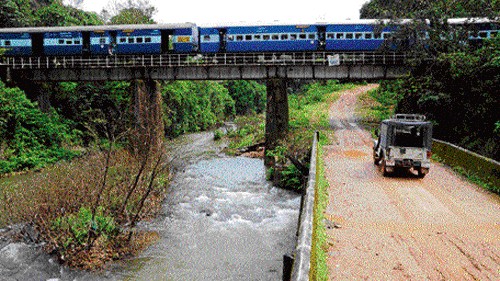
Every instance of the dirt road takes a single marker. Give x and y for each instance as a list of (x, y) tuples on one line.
[(403, 228)]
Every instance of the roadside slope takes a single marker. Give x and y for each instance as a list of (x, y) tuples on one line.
[(403, 228)]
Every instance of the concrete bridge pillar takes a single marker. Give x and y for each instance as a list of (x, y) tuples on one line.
[(148, 130), (276, 112)]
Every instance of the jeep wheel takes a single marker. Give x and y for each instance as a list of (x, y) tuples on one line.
[(422, 172)]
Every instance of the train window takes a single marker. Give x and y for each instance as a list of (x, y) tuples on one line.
[(358, 35), (139, 40), (148, 40), (483, 34), (61, 42), (284, 36), (206, 38), (340, 36), (77, 42), (256, 37), (293, 36), (368, 36), (102, 40), (123, 40), (377, 35), (493, 34), (349, 35), (239, 37), (248, 37), (275, 37), (7, 43), (302, 36), (230, 38), (330, 36), (386, 35), (69, 42), (312, 36), (266, 37), (131, 40)]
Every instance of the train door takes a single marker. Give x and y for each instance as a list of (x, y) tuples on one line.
[(86, 43), (112, 42), (322, 37), (37, 44), (166, 41), (222, 39)]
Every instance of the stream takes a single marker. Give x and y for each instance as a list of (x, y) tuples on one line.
[(221, 221)]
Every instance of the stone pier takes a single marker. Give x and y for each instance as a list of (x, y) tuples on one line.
[(276, 112), (148, 130)]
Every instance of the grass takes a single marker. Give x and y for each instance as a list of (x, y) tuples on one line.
[(250, 130), (319, 248), (377, 105)]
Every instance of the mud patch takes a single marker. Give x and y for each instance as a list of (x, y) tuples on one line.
[(354, 154)]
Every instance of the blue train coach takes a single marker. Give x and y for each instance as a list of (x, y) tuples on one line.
[(140, 41), (62, 43), (16, 44), (362, 35), (272, 38)]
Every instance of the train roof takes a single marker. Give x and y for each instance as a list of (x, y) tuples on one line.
[(286, 23), (472, 20), (96, 28)]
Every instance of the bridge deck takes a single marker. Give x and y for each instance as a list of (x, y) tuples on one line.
[(316, 65)]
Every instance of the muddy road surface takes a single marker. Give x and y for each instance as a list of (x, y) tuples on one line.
[(402, 227)]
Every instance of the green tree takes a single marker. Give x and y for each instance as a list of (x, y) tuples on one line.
[(56, 14), (249, 96), (129, 12), (429, 9), (95, 108), (15, 13), (459, 91), (193, 106)]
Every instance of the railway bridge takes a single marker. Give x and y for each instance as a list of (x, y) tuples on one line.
[(144, 70)]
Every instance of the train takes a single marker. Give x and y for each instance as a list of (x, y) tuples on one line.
[(343, 36)]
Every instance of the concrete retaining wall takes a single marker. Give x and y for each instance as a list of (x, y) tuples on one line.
[(486, 169), (302, 259)]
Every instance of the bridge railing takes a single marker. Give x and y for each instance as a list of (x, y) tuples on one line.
[(223, 59)]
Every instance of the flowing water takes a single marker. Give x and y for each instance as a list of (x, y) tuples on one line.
[(222, 219)]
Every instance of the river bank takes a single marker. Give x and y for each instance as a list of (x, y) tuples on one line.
[(222, 221)]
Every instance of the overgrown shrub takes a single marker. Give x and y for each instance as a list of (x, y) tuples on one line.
[(86, 210)]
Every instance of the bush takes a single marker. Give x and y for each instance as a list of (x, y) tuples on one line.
[(218, 134), (78, 229), (30, 138)]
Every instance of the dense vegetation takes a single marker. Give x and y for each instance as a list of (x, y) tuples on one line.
[(30, 138), (458, 88), (396, 9)]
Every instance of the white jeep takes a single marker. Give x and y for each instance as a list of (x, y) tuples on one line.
[(404, 142)]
